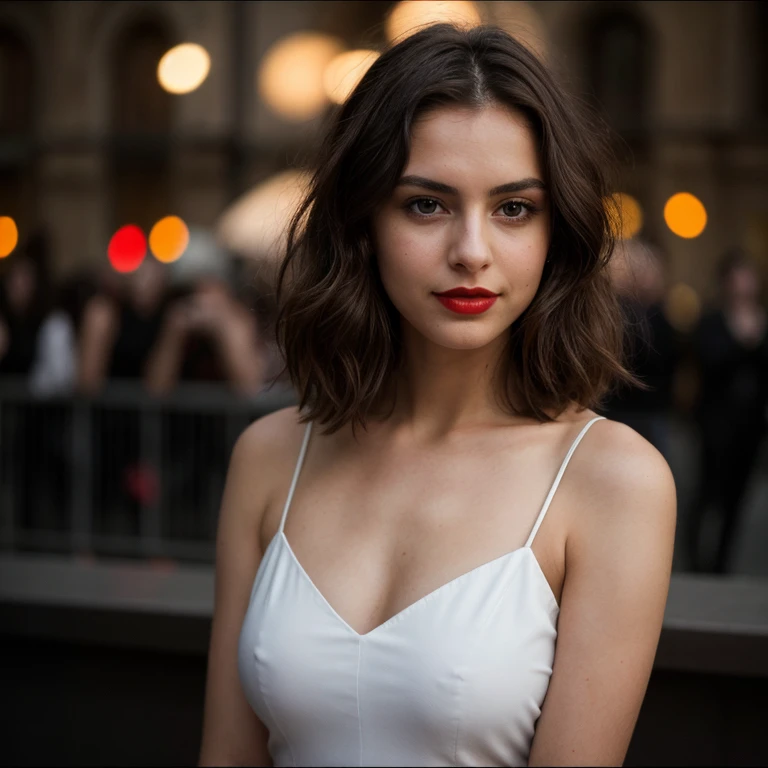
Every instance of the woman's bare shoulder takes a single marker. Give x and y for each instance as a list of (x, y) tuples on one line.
[(620, 480), (264, 454), (613, 453), (273, 429), (270, 439)]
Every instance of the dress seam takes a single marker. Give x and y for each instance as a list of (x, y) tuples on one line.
[(359, 719)]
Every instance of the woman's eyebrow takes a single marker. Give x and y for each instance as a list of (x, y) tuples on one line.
[(438, 186), (518, 186)]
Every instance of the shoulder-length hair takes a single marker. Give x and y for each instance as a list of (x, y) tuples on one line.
[(336, 327)]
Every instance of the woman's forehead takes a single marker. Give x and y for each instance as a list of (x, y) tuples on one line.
[(491, 142)]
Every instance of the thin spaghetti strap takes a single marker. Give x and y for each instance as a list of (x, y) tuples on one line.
[(552, 490), (295, 475)]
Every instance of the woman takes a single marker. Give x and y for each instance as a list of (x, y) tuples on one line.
[(391, 596)]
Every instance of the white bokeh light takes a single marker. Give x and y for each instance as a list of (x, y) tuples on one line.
[(290, 78), (345, 71), (184, 68)]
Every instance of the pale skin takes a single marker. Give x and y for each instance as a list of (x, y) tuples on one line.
[(450, 481)]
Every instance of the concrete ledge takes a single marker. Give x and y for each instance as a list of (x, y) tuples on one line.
[(712, 625)]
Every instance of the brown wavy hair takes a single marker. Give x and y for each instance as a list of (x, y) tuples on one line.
[(337, 329)]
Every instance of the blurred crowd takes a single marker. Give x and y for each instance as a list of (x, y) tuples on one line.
[(205, 319), (710, 369), (200, 320)]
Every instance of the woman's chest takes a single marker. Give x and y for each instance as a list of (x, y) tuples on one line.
[(457, 677), (377, 534)]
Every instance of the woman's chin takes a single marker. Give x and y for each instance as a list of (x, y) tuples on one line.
[(466, 340)]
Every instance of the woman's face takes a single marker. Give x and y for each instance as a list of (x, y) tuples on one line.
[(470, 211)]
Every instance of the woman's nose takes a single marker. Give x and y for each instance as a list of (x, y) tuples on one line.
[(470, 247)]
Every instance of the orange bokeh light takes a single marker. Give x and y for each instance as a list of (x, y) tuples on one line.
[(685, 215), (9, 236), (169, 239)]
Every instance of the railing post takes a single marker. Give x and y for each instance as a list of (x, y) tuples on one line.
[(151, 457), (7, 524), (82, 485)]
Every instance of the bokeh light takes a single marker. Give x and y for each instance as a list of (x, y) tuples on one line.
[(345, 71), (521, 20), (168, 239), (127, 248), (625, 215), (682, 307), (184, 68), (290, 78), (408, 16), (257, 223), (9, 236), (685, 215)]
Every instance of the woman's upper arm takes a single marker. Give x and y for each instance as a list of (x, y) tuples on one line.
[(618, 566), (232, 734)]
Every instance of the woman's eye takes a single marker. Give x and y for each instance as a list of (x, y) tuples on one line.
[(425, 206), (513, 210)]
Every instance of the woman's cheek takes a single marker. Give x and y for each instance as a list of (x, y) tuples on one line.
[(405, 255)]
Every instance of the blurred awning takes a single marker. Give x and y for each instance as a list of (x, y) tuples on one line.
[(256, 224)]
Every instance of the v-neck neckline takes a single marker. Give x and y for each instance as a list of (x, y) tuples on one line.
[(420, 601)]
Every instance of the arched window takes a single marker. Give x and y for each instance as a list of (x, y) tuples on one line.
[(760, 63), (17, 130), (141, 120), (16, 85), (618, 63)]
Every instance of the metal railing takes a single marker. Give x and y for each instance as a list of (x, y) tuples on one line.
[(121, 474), (125, 474)]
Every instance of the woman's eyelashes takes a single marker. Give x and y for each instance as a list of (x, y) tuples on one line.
[(514, 211), (424, 206)]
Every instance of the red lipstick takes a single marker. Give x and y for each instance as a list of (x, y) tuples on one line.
[(467, 301)]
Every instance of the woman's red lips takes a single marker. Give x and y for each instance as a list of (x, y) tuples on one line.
[(467, 293), (467, 301)]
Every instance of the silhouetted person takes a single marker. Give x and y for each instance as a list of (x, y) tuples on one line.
[(731, 345), (53, 376), (54, 371), (24, 446), (24, 296), (118, 333), (655, 347), (207, 336)]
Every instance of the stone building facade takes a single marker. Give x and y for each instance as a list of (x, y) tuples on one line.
[(89, 141)]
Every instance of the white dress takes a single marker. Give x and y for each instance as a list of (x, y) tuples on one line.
[(456, 678)]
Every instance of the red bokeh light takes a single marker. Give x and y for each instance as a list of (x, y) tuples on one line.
[(127, 248)]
